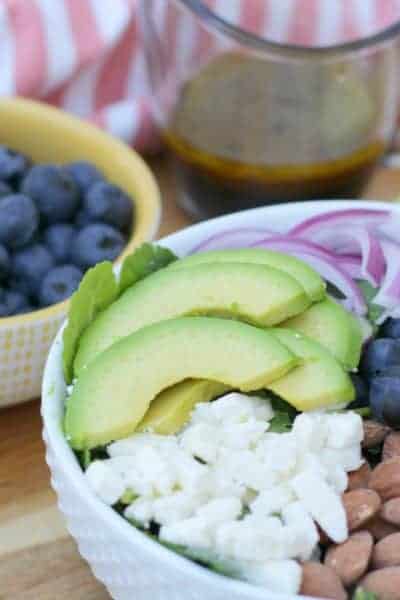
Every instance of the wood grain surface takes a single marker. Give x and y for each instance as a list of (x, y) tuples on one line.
[(38, 560)]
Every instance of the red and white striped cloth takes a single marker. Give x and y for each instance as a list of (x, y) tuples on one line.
[(86, 56)]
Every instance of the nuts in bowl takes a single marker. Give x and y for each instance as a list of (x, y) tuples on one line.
[(70, 197), (206, 417)]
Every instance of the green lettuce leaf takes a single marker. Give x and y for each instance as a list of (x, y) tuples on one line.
[(361, 594), (147, 259), (98, 289), (285, 414), (281, 423), (369, 293)]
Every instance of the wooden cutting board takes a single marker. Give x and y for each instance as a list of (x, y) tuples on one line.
[(38, 560)]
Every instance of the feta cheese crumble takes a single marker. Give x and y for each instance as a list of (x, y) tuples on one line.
[(227, 485)]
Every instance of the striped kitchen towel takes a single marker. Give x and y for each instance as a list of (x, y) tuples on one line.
[(86, 56)]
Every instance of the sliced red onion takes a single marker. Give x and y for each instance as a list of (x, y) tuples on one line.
[(389, 294), (361, 241), (351, 264), (352, 217), (286, 240), (240, 237), (326, 265)]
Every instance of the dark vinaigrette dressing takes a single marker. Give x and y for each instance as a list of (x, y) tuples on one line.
[(248, 133)]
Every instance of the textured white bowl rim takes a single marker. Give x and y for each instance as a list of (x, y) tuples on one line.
[(53, 392)]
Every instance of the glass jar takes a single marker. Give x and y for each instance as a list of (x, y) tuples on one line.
[(265, 101)]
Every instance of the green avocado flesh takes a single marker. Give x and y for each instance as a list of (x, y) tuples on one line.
[(171, 409), (256, 294), (312, 283), (318, 382), (334, 327), (114, 392)]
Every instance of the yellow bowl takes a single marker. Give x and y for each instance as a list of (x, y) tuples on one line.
[(46, 134)]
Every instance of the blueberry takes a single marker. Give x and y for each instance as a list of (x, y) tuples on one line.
[(385, 397), (4, 263), (54, 191), (82, 219), (84, 174), (13, 303), (109, 204), (390, 329), (5, 190), (16, 302), (362, 393), (19, 220), (379, 355), (13, 165), (96, 243), (59, 284), (30, 266), (20, 285), (3, 311), (3, 308), (58, 239)]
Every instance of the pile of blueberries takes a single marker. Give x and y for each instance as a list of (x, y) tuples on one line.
[(378, 382), (55, 223)]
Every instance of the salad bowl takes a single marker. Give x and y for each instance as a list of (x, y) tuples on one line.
[(126, 561)]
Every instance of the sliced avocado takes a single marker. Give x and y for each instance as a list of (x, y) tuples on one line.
[(318, 382), (331, 325), (256, 294), (172, 408), (112, 395), (312, 283)]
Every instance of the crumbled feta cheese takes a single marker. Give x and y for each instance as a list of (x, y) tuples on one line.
[(243, 468), (191, 476), (344, 430), (133, 444), (305, 536), (153, 469), (220, 484), (310, 431), (280, 453), (220, 510), (350, 459), (228, 485), (282, 576), (243, 436), (252, 539), (195, 532), (105, 482), (233, 408), (323, 504), (141, 510), (165, 510), (311, 462), (272, 501), (338, 478), (201, 440)]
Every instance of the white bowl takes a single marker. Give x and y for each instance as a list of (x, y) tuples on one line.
[(132, 566)]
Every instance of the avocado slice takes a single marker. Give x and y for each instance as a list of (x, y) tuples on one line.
[(256, 294), (172, 408), (318, 382), (312, 283), (331, 325), (114, 392)]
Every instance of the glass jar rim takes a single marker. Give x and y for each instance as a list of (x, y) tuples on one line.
[(246, 38)]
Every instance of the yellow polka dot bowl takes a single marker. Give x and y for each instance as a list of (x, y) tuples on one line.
[(49, 135)]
